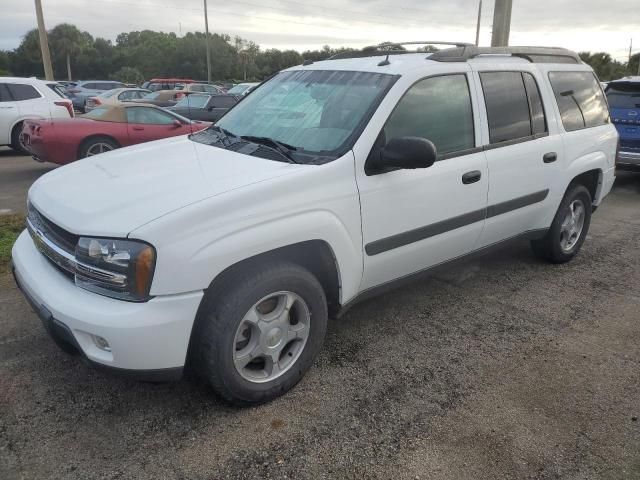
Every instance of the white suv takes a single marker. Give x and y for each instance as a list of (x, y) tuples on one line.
[(227, 250), (23, 98)]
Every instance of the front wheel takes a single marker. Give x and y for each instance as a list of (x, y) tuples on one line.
[(569, 227), (260, 331)]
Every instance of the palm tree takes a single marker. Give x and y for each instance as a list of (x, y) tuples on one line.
[(66, 41)]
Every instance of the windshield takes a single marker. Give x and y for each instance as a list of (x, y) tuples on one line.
[(193, 101), (103, 114), (316, 111), (624, 95)]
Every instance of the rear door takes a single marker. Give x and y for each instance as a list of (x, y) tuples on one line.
[(31, 103), (524, 158), (145, 124), (8, 114)]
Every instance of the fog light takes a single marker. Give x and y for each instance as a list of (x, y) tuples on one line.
[(101, 343)]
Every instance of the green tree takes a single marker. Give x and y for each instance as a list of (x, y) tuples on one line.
[(4, 63), (128, 75), (66, 41), (604, 65), (26, 60)]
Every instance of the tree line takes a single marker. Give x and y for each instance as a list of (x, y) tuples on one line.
[(139, 55)]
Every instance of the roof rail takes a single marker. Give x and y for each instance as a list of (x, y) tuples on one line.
[(392, 48), (532, 54), (400, 44)]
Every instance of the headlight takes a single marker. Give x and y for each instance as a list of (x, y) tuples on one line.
[(120, 269)]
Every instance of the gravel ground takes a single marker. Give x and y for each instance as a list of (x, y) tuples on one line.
[(504, 367)]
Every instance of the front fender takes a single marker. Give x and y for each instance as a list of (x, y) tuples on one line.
[(198, 242)]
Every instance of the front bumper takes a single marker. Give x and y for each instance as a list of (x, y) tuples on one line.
[(147, 340)]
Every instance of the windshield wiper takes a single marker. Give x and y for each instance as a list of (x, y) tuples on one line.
[(283, 148)]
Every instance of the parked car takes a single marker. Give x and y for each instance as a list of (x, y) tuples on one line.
[(190, 88), (156, 84), (242, 89), (204, 107), (228, 249), (81, 91), (116, 97), (161, 98), (24, 98), (103, 129), (624, 104)]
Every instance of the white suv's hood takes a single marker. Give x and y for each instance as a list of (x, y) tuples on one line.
[(116, 192)]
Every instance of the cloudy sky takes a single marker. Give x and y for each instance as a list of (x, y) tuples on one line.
[(595, 25)]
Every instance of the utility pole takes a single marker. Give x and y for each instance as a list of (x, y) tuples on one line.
[(206, 28), (501, 23), (44, 43), (478, 25)]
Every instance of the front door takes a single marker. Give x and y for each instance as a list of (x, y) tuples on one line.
[(415, 219), (147, 123)]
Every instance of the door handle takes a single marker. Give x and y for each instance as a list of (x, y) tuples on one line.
[(138, 128), (550, 157), (471, 177)]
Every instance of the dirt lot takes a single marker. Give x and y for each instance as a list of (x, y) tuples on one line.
[(505, 367)]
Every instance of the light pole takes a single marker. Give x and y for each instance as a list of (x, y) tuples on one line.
[(478, 25), (501, 23), (44, 43), (206, 29)]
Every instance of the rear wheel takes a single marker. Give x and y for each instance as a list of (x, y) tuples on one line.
[(260, 332), (569, 228), (97, 145), (16, 143)]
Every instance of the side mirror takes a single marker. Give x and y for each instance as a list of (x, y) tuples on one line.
[(177, 123), (405, 153)]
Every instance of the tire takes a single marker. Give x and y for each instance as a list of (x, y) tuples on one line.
[(223, 335), (558, 245), (16, 144), (95, 145)]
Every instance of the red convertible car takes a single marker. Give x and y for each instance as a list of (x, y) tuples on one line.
[(105, 128)]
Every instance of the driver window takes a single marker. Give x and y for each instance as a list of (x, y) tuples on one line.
[(438, 109)]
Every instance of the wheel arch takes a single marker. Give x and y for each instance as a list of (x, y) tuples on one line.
[(316, 256), (592, 180)]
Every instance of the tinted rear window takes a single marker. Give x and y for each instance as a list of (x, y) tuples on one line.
[(507, 106), (624, 95), (57, 88), (580, 100), (21, 91)]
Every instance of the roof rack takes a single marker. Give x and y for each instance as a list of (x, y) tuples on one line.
[(532, 54), (392, 48)]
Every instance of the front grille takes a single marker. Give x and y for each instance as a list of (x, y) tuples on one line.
[(60, 245), (59, 236)]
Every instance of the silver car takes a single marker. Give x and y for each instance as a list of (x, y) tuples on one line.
[(81, 91)]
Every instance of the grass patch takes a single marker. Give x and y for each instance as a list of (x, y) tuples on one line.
[(10, 228)]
